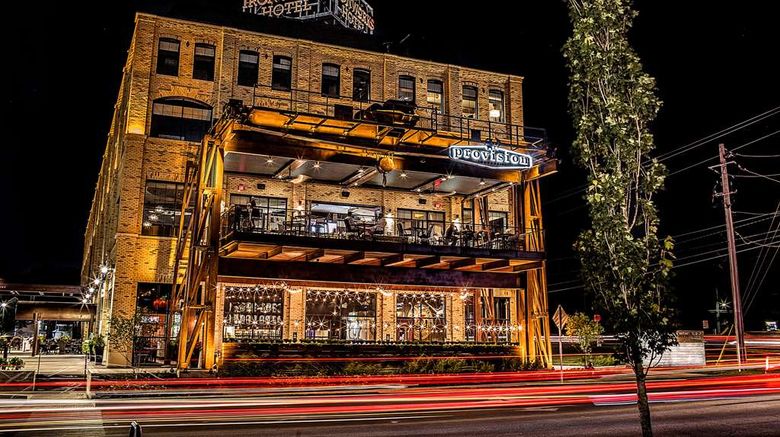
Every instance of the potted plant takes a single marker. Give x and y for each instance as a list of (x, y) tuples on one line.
[(98, 346), (62, 344), (3, 363), (16, 362)]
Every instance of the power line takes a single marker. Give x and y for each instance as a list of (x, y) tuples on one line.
[(756, 156), (759, 175), (735, 148), (690, 146)]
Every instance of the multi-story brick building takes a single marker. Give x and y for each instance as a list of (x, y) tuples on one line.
[(314, 137)]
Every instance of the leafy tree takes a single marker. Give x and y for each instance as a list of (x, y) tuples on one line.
[(122, 334), (624, 263), (587, 332)]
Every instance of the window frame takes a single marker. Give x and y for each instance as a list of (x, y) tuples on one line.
[(332, 86), (367, 92), (278, 71), (203, 66), (491, 100), (161, 59), (475, 99), (245, 69), (401, 89), (170, 230), (440, 105)]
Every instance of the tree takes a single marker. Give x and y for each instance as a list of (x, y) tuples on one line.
[(624, 263), (587, 332), (122, 334)]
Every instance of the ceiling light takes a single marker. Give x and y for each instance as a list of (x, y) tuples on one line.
[(317, 165), (482, 181), (403, 174), (269, 160)]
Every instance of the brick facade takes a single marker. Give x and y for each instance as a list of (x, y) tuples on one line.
[(132, 157)]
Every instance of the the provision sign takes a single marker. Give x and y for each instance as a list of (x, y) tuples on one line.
[(491, 156)]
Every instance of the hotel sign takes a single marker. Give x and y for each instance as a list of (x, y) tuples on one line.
[(491, 156), (352, 14)]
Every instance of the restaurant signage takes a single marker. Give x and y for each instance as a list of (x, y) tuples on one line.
[(352, 14), (491, 156)]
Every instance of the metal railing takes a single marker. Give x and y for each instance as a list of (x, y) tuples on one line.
[(431, 118), (277, 221)]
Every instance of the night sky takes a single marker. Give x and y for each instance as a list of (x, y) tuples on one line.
[(715, 67)]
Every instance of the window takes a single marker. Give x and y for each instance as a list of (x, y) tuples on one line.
[(247, 68), (361, 85), (162, 208), (406, 88), (180, 119), (168, 57), (281, 76), (499, 217), (420, 317), (152, 302), (426, 222), (268, 213), (501, 312), (469, 106), (340, 315), (496, 105), (467, 214), (436, 95), (203, 65), (253, 313), (331, 80)]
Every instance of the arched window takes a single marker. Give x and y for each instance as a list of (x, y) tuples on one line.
[(180, 118)]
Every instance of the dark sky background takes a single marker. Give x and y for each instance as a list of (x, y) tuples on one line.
[(715, 65)]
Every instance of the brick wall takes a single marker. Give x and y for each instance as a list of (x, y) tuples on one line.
[(132, 158)]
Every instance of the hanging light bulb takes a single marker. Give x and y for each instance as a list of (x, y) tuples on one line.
[(104, 269)]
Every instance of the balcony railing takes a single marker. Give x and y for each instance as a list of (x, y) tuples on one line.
[(424, 117), (495, 235)]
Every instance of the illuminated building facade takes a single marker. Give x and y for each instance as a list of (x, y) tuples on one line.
[(258, 188)]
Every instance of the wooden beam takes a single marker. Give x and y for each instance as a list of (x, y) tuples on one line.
[(276, 250), (426, 261), (495, 264), (462, 262), (391, 259), (235, 269), (352, 257)]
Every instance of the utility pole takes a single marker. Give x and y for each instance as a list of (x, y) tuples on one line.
[(734, 273)]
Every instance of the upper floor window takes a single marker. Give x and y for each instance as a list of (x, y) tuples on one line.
[(406, 88), (281, 76), (331, 80), (361, 85), (180, 119), (203, 64), (162, 208), (436, 94), (168, 57), (469, 106), (247, 68), (496, 105)]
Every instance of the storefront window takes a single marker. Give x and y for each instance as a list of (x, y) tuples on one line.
[(152, 303), (253, 313), (340, 315), (259, 213), (420, 317), (430, 223)]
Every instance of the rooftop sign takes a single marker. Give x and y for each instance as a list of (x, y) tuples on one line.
[(491, 156), (352, 14)]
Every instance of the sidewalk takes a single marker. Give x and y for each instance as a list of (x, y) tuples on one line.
[(74, 365)]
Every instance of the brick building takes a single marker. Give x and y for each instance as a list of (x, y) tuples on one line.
[(317, 181)]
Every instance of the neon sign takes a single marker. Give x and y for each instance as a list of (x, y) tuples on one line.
[(491, 156), (352, 14)]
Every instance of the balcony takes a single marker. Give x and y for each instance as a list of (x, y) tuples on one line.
[(389, 122), (300, 236)]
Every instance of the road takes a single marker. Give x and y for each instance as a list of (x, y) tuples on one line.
[(715, 405)]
